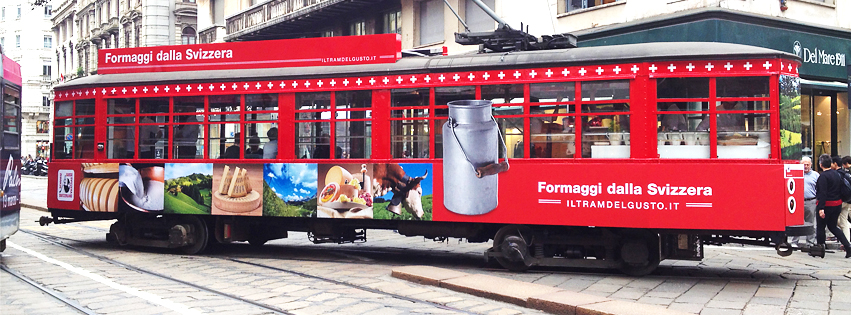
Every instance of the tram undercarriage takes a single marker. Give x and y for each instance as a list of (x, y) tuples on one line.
[(634, 252)]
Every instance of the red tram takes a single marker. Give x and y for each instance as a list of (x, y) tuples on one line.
[(619, 156)]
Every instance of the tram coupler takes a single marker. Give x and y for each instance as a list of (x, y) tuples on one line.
[(44, 221), (784, 249)]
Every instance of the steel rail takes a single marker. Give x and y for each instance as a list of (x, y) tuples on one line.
[(59, 296)]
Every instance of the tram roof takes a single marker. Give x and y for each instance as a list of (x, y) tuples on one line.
[(574, 56)]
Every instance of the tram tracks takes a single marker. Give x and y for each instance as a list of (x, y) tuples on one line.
[(56, 295), (59, 241)]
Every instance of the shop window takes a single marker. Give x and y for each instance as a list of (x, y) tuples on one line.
[(431, 22), (606, 133), (409, 123), (553, 121), (357, 28), (353, 126), (442, 96)]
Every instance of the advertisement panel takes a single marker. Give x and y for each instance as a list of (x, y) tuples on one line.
[(302, 52), (635, 195)]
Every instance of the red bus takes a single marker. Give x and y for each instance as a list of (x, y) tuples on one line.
[(619, 156)]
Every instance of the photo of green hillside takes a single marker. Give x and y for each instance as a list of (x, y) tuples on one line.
[(188, 188)]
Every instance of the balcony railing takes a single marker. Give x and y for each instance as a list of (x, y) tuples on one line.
[(211, 34), (266, 12)]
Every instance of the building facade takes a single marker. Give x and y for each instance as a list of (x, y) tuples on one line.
[(26, 37), (86, 26)]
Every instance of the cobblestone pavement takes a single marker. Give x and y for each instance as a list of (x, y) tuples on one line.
[(729, 280)]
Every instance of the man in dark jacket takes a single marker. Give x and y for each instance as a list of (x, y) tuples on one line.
[(829, 203)]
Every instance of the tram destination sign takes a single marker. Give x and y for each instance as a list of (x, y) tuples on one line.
[(302, 52)]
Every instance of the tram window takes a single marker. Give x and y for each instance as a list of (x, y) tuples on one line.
[(84, 143), (220, 104), (742, 87), (188, 104), (746, 137), (121, 106), (503, 93), (257, 138), (225, 141), (551, 137), (188, 141), (120, 142), (10, 118), (153, 137), (62, 145), (313, 106), (551, 92), (605, 90), (261, 107), (353, 137), (153, 105), (64, 109), (605, 136), (313, 140), (85, 107), (409, 138), (682, 88), (121, 139), (353, 140), (511, 129), (188, 138), (680, 134), (444, 95), (84, 111)]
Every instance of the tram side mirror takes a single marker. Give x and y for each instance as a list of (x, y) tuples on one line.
[(100, 146)]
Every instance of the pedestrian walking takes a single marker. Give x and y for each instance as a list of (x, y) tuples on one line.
[(829, 203), (810, 203)]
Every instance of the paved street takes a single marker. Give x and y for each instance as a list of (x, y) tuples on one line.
[(294, 276)]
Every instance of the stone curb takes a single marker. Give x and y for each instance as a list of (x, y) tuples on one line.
[(530, 295)]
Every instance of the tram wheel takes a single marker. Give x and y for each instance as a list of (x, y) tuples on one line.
[(513, 242), (639, 254), (200, 234)]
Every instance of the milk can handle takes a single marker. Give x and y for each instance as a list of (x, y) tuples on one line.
[(490, 169)]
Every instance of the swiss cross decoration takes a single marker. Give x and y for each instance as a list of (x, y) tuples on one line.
[(506, 76)]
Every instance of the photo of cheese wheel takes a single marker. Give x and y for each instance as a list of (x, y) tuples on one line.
[(246, 203), (99, 194), (100, 168), (329, 193)]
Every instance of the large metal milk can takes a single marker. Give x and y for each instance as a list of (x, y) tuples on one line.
[(471, 158)]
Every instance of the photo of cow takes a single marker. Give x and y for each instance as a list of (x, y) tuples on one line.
[(402, 191)]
